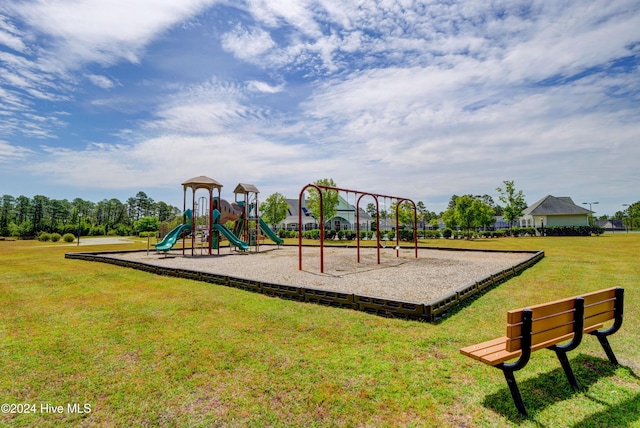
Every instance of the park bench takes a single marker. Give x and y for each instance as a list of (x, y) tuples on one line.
[(558, 326)]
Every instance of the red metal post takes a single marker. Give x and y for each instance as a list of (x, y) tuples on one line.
[(378, 228), (358, 225), (300, 227), (210, 237), (193, 219), (184, 208)]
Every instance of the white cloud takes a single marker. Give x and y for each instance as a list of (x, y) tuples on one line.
[(413, 99), (247, 44), (571, 42), (257, 86), (10, 36), (101, 81), (11, 153), (297, 13), (103, 31)]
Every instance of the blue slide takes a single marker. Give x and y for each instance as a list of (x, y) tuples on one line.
[(169, 241), (231, 237)]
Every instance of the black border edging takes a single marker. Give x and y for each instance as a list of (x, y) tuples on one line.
[(431, 311)]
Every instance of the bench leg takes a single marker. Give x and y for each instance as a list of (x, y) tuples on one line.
[(515, 392), (607, 349), (568, 371)]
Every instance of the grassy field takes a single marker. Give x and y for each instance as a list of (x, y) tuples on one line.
[(93, 344)]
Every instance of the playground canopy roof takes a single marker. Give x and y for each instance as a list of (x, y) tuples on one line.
[(246, 188), (202, 182)]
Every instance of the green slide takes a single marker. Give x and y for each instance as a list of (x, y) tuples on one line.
[(270, 234), (231, 237), (170, 240)]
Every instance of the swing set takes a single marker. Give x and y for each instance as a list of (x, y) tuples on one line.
[(358, 195)]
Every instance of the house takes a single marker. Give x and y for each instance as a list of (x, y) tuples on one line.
[(555, 211), (345, 218), (500, 223), (611, 225)]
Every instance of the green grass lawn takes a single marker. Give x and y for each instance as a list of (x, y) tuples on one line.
[(144, 350)]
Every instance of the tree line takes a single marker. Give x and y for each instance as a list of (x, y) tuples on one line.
[(466, 212), (27, 217)]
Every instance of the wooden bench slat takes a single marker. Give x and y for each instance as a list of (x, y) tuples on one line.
[(599, 320), (543, 324), (515, 316), (595, 314), (607, 306), (546, 338), (542, 310), (499, 356), (597, 296), (471, 350), (491, 352)]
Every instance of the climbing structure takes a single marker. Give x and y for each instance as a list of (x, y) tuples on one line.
[(212, 214), (200, 183)]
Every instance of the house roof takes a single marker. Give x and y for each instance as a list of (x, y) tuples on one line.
[(551, 205), (293, 207), (609, 224)]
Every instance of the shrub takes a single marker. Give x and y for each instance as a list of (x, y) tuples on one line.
[(447, 233), (565, 231), (97, 231), (68, 237), (406, 234), (123, 230), (350, 235), (55, 237), (311, 234), (432, 234), (364, 234), (69, 228), (44, 237)]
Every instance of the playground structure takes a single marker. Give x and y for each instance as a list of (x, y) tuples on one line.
[(206, 220), (359, 195), (404, 291)]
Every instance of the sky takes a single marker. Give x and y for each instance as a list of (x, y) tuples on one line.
[(416, 99)]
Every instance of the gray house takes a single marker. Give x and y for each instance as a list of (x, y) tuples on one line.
[(611, 225), (555, 211), (345, 218)]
